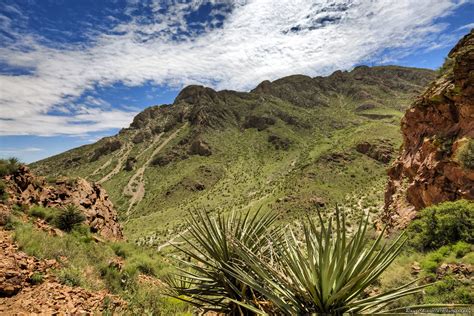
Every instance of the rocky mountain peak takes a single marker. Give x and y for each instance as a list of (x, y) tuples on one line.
[(195, 93)]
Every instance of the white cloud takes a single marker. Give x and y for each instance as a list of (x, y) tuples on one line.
[(260, 39), (10, 150), (466, 27)]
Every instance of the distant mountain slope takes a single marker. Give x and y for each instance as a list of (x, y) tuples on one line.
[(287, 145)]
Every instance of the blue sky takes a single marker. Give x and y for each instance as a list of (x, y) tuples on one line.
[(72, 72)]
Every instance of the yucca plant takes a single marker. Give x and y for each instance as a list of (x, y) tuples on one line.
[(325, 273), (205, 280)]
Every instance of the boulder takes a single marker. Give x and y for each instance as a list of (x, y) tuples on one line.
[(200, 147)]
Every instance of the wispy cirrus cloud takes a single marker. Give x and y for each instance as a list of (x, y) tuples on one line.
[(238, 46)]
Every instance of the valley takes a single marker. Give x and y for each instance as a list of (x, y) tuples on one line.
[(288, 146)]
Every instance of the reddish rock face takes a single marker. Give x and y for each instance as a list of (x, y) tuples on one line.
[(27, 189), (435, 130)]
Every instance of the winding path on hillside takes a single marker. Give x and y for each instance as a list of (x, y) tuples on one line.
[(124, 152), (101, 167), (136, 185)]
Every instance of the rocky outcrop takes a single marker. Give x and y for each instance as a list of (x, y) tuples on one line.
[(279, 142), (258, 122), (27, 286), (24, 188), (438, 131), (108, 147), (200, 147), (381, 151)]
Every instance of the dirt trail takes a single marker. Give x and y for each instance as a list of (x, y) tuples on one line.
[(124, 152), (136, 185), (105, 165), (171, 240)]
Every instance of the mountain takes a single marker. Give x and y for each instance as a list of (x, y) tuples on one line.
[(288, 145), (437, 159)]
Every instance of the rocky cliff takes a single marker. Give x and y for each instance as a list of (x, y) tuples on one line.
[(24, 188), (436, 163)]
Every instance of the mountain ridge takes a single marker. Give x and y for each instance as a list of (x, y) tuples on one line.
[(285, 145)]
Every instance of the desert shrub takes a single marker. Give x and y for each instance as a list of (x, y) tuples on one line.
[(70, 276), (10, 222), (3, 191), (8, 166), (122, 249), (36, 278), (466, 154), (142, 263), (443, 224), (210, 283), (114, 280), (68, 218), (461, 249), (324, 271), (82, 233), (449, 289), (46, 213)]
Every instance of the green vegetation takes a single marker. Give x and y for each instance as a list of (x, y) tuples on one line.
[(466, 154), (8, 166), (441, 246), (69, 218), (210, 282), (279, 149), (47, 213), (3, 192), (36, 278), (242, 268), (443, 224), (96, 266)]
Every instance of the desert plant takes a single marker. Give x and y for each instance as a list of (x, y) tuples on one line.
[(8, 166), (443, 224), (68, 218), (46, 213), (466, 154), (326, 272), (36, 278), (207, 282), (3, 191)]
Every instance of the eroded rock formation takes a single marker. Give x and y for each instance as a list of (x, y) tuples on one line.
[(435, 164), (24, 188)]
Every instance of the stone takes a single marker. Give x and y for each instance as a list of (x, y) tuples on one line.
[(434, 129)]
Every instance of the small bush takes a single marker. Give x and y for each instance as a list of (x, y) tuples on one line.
[(8, 166), (10, 222), (3, 192), (36, 278), (466, 154), (443, 224), (70, 276), (46, 213), (122, 249), (461, 249), (82, 233), (143, 264), (69, 218)]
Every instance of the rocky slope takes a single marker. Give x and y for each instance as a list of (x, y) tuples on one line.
[(288, 145), (24, 188), (437, 159), (22, 294)]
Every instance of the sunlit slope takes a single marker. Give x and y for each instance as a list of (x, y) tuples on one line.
[(287, 145)]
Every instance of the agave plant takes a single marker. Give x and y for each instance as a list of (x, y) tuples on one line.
[(206, 281), (325, 273)]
